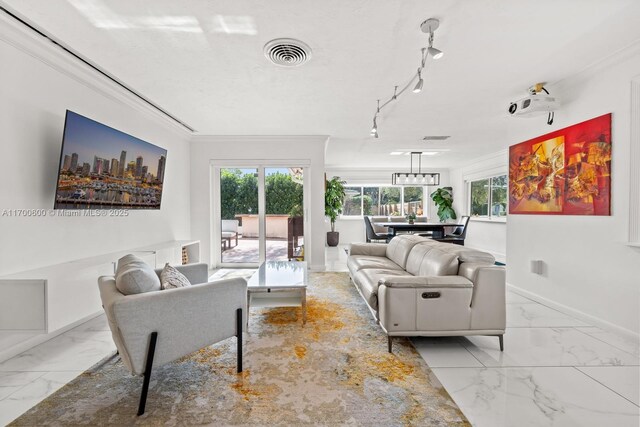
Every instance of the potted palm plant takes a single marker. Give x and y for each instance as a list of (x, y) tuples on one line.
[(333, 201), (443, 198)]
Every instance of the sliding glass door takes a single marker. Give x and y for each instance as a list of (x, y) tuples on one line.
[(258, 214), (239, 216)]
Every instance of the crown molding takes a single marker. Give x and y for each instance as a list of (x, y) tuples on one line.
[(629, 51), (18, 35)]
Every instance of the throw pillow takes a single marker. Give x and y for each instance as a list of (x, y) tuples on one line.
[(171, 278), (134, 276)]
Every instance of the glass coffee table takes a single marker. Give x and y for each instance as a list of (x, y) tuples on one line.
[(279, 284)]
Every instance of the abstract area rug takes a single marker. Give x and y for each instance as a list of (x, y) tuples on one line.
[(335, 370)]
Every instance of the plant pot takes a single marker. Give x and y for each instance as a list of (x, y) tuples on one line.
[(410, 221), (333, 237)]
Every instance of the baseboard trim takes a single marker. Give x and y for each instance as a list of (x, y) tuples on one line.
[(317, 267), (580, 315), (42, 338)]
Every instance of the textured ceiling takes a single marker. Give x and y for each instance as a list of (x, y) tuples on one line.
[(202, 61)]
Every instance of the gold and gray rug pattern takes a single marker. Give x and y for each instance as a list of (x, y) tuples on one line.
[(335, 370)]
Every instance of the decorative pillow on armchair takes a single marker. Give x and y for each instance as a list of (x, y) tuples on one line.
[(134, 276), (171, 278)]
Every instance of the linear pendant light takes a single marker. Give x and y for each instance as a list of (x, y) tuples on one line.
[(415, 179)]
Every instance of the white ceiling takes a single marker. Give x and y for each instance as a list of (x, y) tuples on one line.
[(202, 61)]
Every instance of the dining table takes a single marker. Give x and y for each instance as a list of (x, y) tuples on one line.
[(436, 227)]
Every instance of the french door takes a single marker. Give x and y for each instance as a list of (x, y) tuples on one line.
[(258, 212)]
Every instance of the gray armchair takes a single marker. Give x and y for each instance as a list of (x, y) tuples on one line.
[(154, 328)]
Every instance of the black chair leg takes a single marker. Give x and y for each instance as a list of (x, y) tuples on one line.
[(239, 337), (389, 343), (500, 337), (147, 372)]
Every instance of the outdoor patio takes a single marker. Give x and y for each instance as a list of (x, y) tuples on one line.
[(246, 250)]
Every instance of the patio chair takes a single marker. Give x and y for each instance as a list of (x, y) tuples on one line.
[(229, 230)]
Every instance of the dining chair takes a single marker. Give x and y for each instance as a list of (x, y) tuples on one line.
[(372, 235), (458, 235)]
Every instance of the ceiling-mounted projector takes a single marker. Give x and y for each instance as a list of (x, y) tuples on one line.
[(534, 105)]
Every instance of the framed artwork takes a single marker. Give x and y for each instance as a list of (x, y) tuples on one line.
[(566, 172)]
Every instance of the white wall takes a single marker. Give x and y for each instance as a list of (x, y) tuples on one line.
[(352, 229), (482, 234), (39, 82), (588, 266), (208, 149)]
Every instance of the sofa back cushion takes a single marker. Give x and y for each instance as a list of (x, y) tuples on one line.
[(430, 260), (464, 254), (399, 248)]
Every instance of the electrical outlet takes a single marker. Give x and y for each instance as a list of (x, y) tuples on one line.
[(537, 266)]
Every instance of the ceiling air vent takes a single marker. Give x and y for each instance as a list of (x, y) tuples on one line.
[(436, 137), (287, 52)]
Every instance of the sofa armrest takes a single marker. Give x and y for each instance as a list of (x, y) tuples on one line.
[(186, 319), (371, 249), (425, 282)]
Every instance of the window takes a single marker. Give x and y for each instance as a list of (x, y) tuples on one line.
[(383, 201), (352, 201), (488, 197), (390, 201), (480, 198), (413, 200), (371, 201), (499, 196)]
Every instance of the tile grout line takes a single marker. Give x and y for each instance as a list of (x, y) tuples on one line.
[(43, 373), (561, 312), (533, 366), (603, 385), (601, 340), (469, 351)]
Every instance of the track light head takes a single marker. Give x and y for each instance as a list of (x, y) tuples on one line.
[(418, 87), (430, 26), (435, 53)]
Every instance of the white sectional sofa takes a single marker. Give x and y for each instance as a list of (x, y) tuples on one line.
[(416, 286)]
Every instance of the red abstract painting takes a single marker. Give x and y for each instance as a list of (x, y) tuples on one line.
[(566, 172)]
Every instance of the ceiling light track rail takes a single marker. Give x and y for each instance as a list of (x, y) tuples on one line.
[(429, 26), (88, 63)]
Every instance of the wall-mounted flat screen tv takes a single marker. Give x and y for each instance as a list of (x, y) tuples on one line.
[(104, 168)]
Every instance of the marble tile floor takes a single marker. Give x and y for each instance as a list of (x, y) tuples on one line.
[(555, 370), (31, 376)]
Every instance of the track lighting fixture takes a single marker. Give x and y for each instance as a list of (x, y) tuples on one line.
[(418, 87), (429, 26), (435, 53)]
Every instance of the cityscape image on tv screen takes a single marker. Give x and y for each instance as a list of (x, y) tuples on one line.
[(103, 168)]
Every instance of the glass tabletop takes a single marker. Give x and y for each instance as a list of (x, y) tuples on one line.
[(279, 274)]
